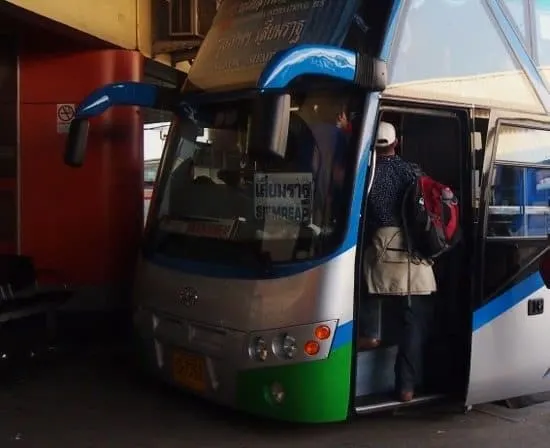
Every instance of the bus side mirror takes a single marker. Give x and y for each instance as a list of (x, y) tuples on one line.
[(269, 126), (77, 141)]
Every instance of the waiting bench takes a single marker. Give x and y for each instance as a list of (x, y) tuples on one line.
[(22, 295)]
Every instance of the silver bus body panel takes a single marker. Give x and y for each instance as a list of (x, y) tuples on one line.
[(507, 350), (322, 293), (157, 344), (228, 312)]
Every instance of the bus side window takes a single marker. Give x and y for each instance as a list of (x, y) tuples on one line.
[(518, 215), (519, 202)]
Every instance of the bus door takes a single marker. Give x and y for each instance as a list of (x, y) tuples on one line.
[(511, 311)]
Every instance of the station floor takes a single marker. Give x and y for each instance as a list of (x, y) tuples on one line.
[(94, 399)]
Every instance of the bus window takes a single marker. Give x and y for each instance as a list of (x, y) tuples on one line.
[(456, 64), (519, 202), (542, 38), (215, 184), (150, 168), (211, 157), (518, 214), (150, 172), (517, 11)]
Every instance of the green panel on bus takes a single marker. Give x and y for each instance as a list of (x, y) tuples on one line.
[(315, 392)]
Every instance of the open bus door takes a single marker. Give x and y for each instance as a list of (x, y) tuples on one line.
[(510, 332)]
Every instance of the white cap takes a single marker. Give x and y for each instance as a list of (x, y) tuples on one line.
[(386, 134)]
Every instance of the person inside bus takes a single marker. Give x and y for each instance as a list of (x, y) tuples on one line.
[(387, 263), (326, 158)]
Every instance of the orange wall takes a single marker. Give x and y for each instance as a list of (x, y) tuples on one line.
[(84, 223)]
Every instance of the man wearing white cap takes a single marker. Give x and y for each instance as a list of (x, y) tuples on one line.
[(387, 263)]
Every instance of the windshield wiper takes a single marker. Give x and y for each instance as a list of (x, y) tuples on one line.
[(194, 219)]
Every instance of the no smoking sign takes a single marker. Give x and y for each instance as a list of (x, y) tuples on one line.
[(64, 115)]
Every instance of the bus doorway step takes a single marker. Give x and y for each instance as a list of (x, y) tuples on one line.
[(384, 403)]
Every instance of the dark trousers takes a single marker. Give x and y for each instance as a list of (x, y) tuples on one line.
[(407, 323)]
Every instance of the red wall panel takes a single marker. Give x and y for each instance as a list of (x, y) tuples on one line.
[(85, 223), (8, 145), (8, 213)]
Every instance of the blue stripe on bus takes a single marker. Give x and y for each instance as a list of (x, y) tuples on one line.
[(208, 269), (507, 300), (342, 335), (483, 316), (321, 60)]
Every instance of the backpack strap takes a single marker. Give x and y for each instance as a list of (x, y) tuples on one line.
[(416, 169), (408, 191)]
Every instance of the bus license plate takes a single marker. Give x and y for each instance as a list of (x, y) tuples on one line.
[(189, 370)]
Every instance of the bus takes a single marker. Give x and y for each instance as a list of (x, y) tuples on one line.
[(150, 169), (249, 283)]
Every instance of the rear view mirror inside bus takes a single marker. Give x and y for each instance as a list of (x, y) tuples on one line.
[(269, 126), (77, 140)]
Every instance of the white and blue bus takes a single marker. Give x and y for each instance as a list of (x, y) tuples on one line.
[(250, 281)]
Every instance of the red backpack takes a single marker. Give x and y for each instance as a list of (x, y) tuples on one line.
[(430, 217)]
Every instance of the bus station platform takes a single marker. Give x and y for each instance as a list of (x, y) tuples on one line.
[(92, 397)]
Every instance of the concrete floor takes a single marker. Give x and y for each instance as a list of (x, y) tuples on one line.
[(96, 400)]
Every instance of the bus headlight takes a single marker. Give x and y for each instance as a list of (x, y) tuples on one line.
[(288, 347), (258, 349), (296, 344)]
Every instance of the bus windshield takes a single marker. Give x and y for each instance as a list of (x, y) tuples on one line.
[(219, 202)]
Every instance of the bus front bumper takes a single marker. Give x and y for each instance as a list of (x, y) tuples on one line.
[(214, 364)]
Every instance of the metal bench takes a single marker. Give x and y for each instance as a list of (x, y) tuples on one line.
[(22, 295)]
